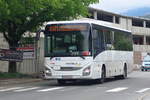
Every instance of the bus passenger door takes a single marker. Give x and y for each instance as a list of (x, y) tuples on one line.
[(98, 47), (98, 42)]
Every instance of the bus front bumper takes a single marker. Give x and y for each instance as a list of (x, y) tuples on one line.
[(67, 77)]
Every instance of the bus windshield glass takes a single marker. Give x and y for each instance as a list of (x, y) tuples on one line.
[(67, 40)]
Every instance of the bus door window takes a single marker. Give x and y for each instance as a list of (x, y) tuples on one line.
[(97, 42)]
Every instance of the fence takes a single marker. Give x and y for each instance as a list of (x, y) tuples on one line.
[(33, 58)]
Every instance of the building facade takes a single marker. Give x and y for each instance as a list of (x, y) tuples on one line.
[(140, 28)]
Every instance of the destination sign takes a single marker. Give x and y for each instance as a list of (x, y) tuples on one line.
[(67, 28)]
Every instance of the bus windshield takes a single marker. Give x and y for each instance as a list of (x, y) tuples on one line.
[(68, 41)]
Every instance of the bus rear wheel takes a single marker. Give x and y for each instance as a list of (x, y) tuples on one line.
[(124, 76)]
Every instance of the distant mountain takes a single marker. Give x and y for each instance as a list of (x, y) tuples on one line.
[(144, 11), (146, 16)]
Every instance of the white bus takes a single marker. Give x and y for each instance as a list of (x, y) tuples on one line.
[(85, 50)]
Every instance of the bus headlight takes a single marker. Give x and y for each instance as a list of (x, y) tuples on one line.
[(48, 72), (86, 71)]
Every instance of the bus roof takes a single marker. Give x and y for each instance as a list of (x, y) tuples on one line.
[(90, 21)]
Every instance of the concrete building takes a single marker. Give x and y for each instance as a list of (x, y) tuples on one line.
[(140, 28)]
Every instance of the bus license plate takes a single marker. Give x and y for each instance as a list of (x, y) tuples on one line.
[(67, 76), (56, 67)]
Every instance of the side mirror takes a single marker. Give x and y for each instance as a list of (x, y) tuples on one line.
[(109, 47)]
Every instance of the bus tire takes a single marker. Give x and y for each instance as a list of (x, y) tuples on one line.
[(125, 73), (61, 82), (103, 76)]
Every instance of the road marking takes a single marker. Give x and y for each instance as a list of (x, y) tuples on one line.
[(50, 89), (9, 89), (69, 89), (26, 89), (117, 89), (143, 90)]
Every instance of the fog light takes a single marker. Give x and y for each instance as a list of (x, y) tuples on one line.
[(87, 71), (48, 72)]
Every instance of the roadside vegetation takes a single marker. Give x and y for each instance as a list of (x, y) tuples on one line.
[(5, 75)]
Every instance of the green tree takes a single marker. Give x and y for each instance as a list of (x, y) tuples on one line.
[(20, 16)]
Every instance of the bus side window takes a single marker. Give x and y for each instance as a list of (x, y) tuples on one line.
[(109, 39), (123, 41)]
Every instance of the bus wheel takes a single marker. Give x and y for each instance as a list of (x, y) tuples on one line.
[(124, 73), (103, 76), (61, 82)]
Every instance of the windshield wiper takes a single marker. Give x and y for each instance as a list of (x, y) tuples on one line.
[(51, 58), (82, 57)]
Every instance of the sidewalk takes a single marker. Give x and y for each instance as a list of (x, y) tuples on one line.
[(18, 81), (145, 97)]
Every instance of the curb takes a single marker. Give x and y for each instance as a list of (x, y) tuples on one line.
[(17, 81)]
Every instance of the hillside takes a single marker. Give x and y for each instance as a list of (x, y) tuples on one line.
[(146, 16)]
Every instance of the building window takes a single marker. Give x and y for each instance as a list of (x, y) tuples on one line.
[(117, 21), (90, 15), (147, 40), (137, 39), (136, 22), (105, 17), (148, 24)]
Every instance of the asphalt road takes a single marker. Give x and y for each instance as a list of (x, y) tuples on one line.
[(134, 87)]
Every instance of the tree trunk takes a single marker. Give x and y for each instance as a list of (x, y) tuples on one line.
[(12, 64)]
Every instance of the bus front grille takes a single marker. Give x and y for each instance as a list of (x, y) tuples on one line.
[(69, 68)]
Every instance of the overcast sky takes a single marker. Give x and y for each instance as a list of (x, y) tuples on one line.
[(121, 6)]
